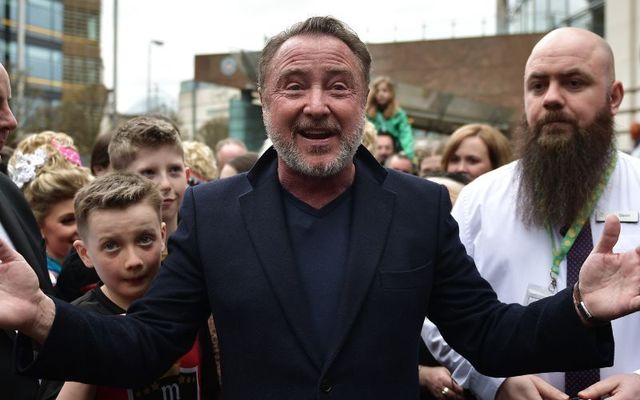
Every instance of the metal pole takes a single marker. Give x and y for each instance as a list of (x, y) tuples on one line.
[(151, 43), (21, 58), (149, 77), (194, 98), (114, 116)]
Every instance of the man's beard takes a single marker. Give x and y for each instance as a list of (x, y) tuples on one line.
[(559, 171), (293, 157)]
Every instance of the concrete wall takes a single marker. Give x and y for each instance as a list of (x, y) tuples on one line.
[(623, 34), (485, 69)]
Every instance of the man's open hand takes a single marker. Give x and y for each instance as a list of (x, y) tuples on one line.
[(610, 283), (23, 306)]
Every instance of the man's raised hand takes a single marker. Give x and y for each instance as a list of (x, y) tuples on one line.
[(610, 283), (23, 306)]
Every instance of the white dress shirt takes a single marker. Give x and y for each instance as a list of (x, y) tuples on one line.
[(5, 236), (511, 257)]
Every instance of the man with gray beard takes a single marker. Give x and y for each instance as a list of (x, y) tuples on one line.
[(524, 222)]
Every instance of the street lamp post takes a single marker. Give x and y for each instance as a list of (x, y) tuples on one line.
[(151, 43), (114, 116)]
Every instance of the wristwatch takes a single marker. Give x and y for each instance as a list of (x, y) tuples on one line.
[(583, 311)]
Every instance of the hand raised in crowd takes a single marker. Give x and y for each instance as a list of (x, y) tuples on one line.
[(23, 306), (528, 387), (617, 387), (439, 382), (610, 283)]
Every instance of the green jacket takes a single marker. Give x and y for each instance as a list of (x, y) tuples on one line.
[(397, 126)]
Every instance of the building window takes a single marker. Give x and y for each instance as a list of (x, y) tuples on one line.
[(81, 70), (92, 27), (45, 14), (44, 63), (542, 15), (82, 23)]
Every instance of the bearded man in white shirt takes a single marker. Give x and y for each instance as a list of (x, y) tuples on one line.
[(512, 219)]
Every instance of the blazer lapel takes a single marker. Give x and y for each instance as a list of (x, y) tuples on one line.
[(264, 219), (23, 243), (371, 216)]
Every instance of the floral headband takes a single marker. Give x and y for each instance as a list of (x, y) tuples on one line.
[(68, 152), (24, 168)]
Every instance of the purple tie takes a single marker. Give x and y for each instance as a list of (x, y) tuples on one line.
[(575, 381)]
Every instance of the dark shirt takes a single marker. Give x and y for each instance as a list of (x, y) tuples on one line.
[(320, 242), (95, 301), (75, 279)]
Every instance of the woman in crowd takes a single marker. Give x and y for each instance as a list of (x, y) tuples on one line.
[(201, 162), (387, 116), (48, 170), (475, 149)]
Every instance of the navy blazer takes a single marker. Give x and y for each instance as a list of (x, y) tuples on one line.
[(17, 219), (231, 256)]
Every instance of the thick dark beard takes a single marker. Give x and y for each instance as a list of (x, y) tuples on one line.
[(559, 174)]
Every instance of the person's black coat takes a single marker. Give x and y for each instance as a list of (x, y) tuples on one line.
[(231, 255), (18, 221)]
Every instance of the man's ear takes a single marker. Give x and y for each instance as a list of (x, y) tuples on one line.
[(163, 234), (616, 96), (81, 248), (187, 173)]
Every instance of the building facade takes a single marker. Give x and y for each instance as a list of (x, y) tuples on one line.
[(201, 102), (529, 16), (62, 69), (42, 72)]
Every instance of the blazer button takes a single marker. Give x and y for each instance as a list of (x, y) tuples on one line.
[(325, 386)]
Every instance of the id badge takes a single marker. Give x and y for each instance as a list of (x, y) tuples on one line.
[(535, 293)]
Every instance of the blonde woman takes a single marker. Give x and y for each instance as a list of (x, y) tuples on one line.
[(47, 168)]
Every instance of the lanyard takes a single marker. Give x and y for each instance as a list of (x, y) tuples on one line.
[(560, 252)]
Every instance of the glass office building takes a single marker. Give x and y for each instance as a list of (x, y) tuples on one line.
[(43, 47), (528, 16), (62, 50)]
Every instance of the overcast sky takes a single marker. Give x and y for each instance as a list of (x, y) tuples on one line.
[(190, 27)]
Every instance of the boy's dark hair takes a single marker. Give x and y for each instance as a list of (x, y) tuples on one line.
[(146, 132), (100, 152), (244, 162), (117, 190)]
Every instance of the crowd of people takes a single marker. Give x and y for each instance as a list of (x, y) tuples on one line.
[(329, 264)]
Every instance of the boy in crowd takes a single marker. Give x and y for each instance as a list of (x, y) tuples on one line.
[(122, 237), (148, 146), (151, 147)]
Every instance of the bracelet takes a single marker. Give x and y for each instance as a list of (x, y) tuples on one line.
[(583, 311)]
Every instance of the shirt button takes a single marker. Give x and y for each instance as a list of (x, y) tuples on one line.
[(325, 386)]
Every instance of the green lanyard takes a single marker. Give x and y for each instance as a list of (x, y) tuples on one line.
[(559, 253)]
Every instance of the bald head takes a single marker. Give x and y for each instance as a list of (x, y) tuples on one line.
[(570, 76), (575, 42)]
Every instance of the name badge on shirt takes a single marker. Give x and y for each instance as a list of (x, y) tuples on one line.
[(629, 217), (535, 293)]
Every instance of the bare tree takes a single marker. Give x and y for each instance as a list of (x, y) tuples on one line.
[(213, 131)]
